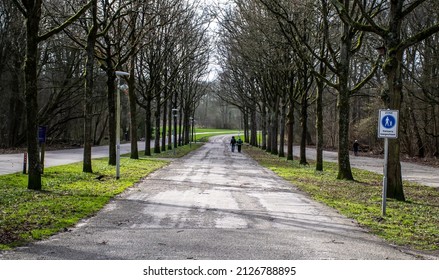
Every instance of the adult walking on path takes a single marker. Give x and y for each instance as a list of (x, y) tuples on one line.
[(233, 143), (356, 147), (213, 204)]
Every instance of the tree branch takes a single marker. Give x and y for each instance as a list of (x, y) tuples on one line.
[(410, 8), (419, 37), (365, 80), (69, 21), (20, 7), (344, 15)]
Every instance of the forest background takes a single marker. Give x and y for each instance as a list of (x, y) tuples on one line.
[(307, 72)]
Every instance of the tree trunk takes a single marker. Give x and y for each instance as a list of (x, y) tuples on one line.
[(319, 125), (133, 112), (304, 126), (394, 81), (245, 119), (275, 127), (392, 69), (164, 124), (88, 94), (148, 127), (282, 129), (344, 165), (31, 93), (132, 94), (157, 149), (254, 127), (269, 131), (170, 126), (180, 126), (264, 127), (111, 94), (290, 130)]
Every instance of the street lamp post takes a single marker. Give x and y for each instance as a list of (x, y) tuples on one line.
[(191, 127), (119, 74), (193, 130), (174, 114)]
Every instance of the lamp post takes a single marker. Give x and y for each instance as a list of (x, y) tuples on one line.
[(119, 74), (192, 130), (174, 114)]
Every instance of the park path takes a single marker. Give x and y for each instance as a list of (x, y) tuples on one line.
[(422, 174), (426, 175), (213, 204)]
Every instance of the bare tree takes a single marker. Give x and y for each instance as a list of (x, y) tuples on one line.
[(395, 42), (31, 11)]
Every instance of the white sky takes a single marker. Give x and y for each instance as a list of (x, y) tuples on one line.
[(214, 68)]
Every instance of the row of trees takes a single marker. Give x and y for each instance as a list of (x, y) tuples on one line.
[(59, 71), (280, 56)]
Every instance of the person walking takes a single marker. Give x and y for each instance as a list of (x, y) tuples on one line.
[(233, 143), (239, 144), (356, 148)]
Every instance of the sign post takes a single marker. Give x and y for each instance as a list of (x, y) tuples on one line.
[(387, 128)]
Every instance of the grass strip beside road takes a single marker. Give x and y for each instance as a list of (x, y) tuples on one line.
[(414, 223), (68, 195), (203, 134)]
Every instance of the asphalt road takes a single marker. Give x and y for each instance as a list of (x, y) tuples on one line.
[(12, 163), (429, 176), (426, 175), (213, 204)]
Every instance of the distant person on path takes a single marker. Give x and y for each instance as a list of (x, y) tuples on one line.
[(356, 148), (239, 143), (233, 143)]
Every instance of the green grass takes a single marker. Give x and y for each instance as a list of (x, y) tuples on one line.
[(414, 223), (203, 134), (68, 196), (179, 151)]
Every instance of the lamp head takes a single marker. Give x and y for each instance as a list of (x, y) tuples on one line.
[(122, 74)]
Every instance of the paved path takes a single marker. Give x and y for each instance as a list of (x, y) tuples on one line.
[(422, 174), (213, 204), (429, 176), (11, 163)]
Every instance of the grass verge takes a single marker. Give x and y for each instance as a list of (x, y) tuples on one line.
[(203, 134), (68, 196), (413, 223)]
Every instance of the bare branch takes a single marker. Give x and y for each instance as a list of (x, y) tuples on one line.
[(20, 7), (69, 21)]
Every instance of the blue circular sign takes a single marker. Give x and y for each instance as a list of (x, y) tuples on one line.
[(388, 121)]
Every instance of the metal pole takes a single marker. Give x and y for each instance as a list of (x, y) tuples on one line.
[(191, 133), (175, 132), (173, 135), (118, 129), (386, 156), (174, 115), (193, 130), (119, 74)]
